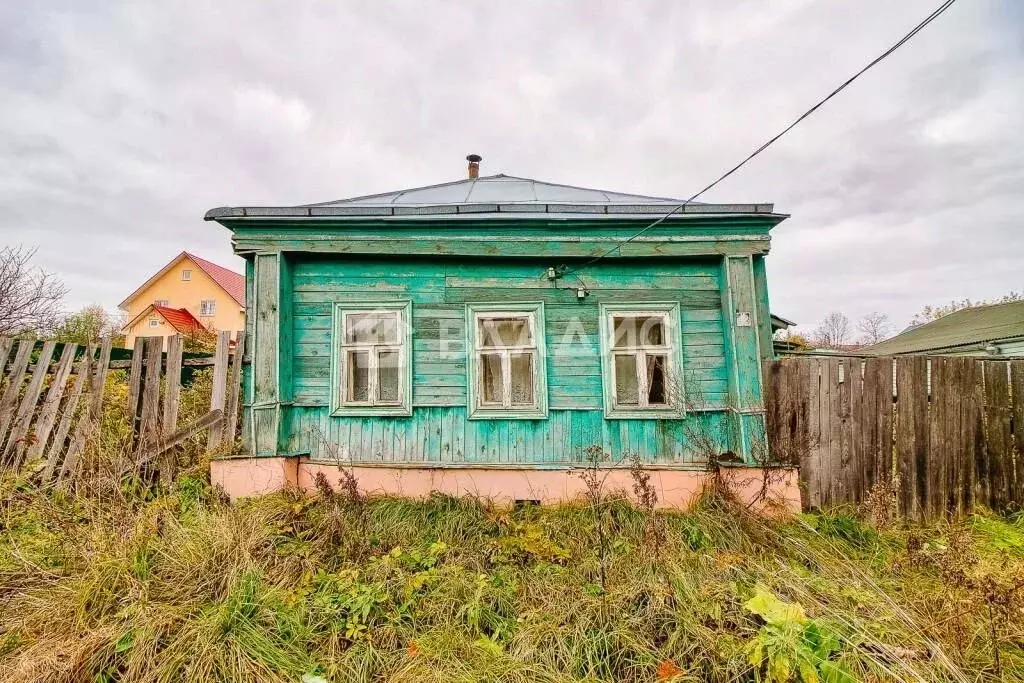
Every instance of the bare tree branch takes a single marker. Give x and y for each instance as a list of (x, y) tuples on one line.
[(833, 332), (874, 327), (30, 297)]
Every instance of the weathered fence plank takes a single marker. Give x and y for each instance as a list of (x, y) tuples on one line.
[(220, 378), (912, 432), (998, 439), (135, 375), (1017, 415), (51, 403), (15, 378), (88, 423), (974, 425), (15, 446), (942, 444), (54, 455), (6, 345), (811, 383), (172, 395), (234, 389), (149, 416)]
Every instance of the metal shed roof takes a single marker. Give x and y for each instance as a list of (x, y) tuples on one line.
[(489, 196), (977, 325), (499, 189)]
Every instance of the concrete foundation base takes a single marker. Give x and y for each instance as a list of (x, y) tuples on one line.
[(676, 488)]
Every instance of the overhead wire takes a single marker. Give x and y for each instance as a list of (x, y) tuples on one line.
[(935, 14)]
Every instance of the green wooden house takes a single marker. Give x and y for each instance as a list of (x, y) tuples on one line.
[(501, 323)]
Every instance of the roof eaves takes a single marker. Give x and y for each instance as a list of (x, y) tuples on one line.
[(229, 213)]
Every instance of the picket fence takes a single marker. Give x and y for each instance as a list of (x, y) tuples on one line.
[(945, 434), (51, 406)]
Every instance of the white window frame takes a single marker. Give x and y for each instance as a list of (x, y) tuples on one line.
[(210, 306), (672, 349), (161, 303), (153, 322), (186, 275), (534, 314), (341, 404)]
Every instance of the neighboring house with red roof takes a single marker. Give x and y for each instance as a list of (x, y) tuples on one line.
[(189, 296)]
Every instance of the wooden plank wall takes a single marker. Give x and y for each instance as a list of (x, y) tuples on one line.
[(945, 433), (439, 292)]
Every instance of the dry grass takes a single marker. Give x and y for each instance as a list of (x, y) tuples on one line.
[(178, 585)]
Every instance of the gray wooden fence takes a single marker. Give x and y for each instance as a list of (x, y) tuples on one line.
[(946, 432), (50, 407)]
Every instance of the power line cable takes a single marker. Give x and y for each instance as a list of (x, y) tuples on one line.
[(913, 32)]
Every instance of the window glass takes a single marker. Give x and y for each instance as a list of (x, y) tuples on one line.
[(186, 275), (492, 389), (359, 376), (521, 369), (505, 332), (207, 307), (153, 322), (160, 302), (640, 330), (388, 387), (371, 328), (627, 387), (657, 391)]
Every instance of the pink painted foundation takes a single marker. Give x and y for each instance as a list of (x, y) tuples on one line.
[(676, 488)]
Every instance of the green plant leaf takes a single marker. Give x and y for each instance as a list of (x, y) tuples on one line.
[(836, 672), (774, 611)]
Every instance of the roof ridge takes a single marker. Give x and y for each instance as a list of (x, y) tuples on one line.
[(401, 192), (396, 195), (597, 189)]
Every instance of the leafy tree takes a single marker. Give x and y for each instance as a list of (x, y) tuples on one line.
[(30, 297), (87, 326), (833, 332), (930, 313), (874, 327), (797, 341)]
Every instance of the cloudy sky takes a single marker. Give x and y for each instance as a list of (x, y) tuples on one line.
[(121, 123)]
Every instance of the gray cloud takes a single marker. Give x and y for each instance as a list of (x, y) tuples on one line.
[(121, 123)]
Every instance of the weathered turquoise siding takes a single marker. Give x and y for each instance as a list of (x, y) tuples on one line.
[(438, 429), (434, 252)]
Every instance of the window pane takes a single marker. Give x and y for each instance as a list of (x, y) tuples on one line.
[(504, 332), (388, 376), (358, 375), (492, 387), (638, 331), (657, 381), (652, 330), (522, 379), (371, 328), (627, 391)]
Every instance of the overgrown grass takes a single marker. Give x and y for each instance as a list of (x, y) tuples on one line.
[(180, 585)]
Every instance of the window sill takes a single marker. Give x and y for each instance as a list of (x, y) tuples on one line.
[(372, 411), (508, 414), (644, 414)]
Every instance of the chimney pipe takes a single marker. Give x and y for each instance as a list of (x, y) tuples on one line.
[(474, 165)]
